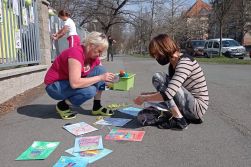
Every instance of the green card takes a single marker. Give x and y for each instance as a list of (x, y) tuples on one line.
[(39, 150)]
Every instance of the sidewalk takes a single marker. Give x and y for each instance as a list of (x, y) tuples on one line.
[(217, 142)]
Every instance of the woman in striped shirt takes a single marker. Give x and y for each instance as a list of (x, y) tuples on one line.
[(184, 89)]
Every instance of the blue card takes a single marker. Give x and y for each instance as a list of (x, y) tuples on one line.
[(71, 162), (90, 155), (130, 110), (88, 143)]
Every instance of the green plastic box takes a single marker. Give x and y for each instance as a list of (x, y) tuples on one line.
[(125, 83)]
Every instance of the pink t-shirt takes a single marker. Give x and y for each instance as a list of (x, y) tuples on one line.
[(59, 69)]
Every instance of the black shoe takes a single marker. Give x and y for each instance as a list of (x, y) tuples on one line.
[(174, 123)]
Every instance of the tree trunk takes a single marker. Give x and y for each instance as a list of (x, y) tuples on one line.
[(220, 48)]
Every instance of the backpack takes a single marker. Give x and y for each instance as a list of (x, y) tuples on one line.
[(151, 116)]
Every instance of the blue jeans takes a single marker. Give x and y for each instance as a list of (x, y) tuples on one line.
[(61, 90)]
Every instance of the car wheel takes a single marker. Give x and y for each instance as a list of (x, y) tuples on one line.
[(241, 58), (206, 55)]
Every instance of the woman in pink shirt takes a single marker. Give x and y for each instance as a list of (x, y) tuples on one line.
[(69, 28), (76, 76)]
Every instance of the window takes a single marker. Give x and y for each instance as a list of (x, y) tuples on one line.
[(206, 45), (216, 45), (210, 44), (230, 43)]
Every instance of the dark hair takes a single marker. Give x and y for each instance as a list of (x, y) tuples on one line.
[(162, 45), (63, 13)]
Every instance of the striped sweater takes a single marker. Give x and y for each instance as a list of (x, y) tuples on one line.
[(189, 74)]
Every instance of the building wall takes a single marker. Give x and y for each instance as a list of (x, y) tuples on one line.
[(18, 80)]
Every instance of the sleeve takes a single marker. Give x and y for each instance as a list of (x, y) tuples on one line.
[(182, 71), (75, 55), (67, 22)]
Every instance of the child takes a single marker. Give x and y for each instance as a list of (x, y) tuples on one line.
[(184, 89), (69, 27)]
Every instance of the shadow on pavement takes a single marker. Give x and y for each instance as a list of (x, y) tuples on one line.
[(39, 111)]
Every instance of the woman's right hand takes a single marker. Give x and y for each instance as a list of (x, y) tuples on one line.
[(107, 77)]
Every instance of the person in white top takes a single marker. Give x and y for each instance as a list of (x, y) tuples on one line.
[(68, 29)]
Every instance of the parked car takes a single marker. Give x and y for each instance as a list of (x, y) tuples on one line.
[(195, 47), (230, 48)]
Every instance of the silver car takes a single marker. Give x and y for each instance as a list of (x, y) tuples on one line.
[(230, 48)]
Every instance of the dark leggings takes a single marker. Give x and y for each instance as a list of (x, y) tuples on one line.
[(183, 99)]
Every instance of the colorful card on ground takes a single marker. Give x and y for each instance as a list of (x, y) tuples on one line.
[(38, 150), (158, 105), (90, 155), (130, 110), (123, 134), (65, 161), (113, 121), (88, 143), (79, 128)]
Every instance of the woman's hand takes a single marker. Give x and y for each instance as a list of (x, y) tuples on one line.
[(107, 77), (54, 37), (139, 100)]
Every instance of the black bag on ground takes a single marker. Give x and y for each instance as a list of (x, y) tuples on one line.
[(151, 116)]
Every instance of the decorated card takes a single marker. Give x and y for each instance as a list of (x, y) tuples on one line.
[(79, 128), (15, 7), (18, 39), (90, 155), (113, 121), (65, 161), (25, 16), (32, 17), (158, 105), (1, 12), (127, 135), (88, 143), (38, 150), (130, 110)]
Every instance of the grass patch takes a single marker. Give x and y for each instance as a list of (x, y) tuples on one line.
[(223, 60), (141, 55), (215, 60)]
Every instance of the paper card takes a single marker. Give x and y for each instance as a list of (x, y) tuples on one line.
[(130, 110), (32, 17), (158, 105), (15, 7), (79, 128), (65, 161), (127, 135), (25, 17), (88, 143), (18, 39), (113, 121), (91, 155), (1, 11), (38, 150)]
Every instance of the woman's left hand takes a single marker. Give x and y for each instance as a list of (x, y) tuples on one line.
[(139, 100)]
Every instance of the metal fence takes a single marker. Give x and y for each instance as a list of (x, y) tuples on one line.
[(55, 24), (19, 34)]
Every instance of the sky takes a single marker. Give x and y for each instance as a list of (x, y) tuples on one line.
[(189, 2)]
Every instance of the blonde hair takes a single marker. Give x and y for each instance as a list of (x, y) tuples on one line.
[(97, 39)]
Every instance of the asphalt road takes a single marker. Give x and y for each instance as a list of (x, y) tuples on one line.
[(223, 140)]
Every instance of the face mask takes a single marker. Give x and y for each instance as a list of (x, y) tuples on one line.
[(163, 60)]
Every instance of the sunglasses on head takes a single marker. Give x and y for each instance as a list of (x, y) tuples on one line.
[(103, 36)]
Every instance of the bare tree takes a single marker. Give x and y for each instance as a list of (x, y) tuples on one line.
[(221, 8)]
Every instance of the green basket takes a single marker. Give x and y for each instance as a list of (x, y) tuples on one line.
[(125, 83)]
